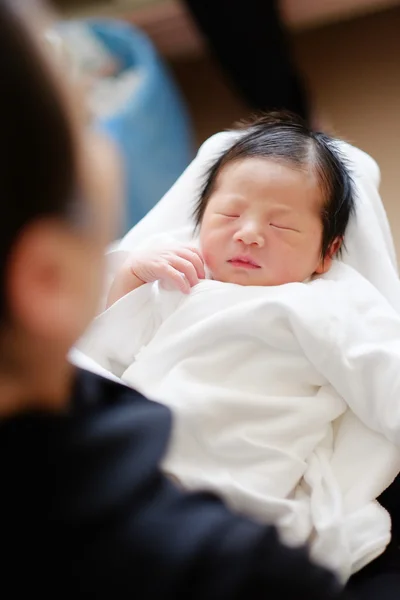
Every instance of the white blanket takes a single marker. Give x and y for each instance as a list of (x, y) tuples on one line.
[(341, 470), (256, 377)]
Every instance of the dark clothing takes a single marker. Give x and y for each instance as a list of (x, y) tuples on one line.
[(381, 579), (86, 513), (380, 587), (390, 499), (250, 43)]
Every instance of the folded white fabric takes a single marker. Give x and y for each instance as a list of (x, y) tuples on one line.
[(352, 464), (256, 377)]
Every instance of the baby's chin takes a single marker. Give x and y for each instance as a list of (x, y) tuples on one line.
[(250, 277)]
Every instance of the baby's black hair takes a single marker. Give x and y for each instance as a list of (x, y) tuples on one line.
[(284, 137)]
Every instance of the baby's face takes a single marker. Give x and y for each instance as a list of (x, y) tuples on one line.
[(262, 224)]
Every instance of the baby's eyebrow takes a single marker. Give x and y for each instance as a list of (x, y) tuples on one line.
[(282, 210), (235, 199)]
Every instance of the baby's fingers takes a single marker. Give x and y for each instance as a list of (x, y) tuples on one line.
[(193, 255), (186, 267), (175, 279)]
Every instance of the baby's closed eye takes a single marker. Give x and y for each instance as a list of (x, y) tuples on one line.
[(282, 227), (229, 215)]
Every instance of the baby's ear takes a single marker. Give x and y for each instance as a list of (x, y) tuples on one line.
[(326, 262)]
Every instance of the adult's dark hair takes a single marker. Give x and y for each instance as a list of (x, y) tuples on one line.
[(284, 137), (37, 165)]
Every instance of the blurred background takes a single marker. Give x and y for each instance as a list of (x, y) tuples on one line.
[(341, 56)]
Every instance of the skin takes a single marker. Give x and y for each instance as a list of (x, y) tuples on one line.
[(262, 225), (55, 269)]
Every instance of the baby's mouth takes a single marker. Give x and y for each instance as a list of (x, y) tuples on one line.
[(244, 262)]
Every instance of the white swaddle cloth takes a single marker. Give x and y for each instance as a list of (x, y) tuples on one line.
[(346, 472)]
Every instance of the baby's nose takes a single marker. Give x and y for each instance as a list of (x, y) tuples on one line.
[(250, 236)]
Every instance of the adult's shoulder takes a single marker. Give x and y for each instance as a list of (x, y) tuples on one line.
[(102, 405), (102, 449), (92, 393)]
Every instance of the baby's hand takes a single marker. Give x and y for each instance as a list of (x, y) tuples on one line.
[(178, 268)]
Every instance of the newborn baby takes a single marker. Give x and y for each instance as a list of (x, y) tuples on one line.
[(267, 339), (273, 210)]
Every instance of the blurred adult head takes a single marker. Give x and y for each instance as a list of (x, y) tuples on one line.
[(60, 189)]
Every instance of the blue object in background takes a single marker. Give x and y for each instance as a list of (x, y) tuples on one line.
[(153, 131)]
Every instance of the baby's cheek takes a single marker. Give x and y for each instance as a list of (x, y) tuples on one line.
[(289, 267), (207, 256), (211, 261), (207, 249)]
